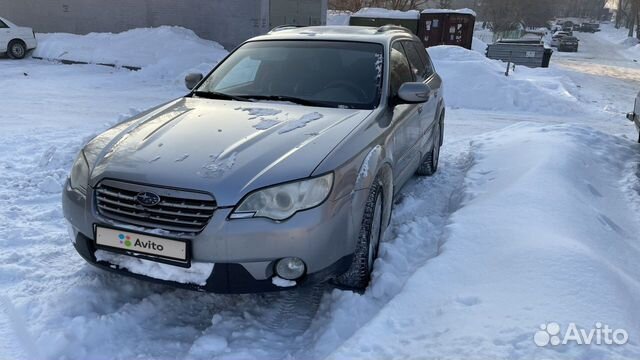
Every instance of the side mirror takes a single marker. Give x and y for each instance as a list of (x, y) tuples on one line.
[(191, 80), (414, 93), (631, 116)]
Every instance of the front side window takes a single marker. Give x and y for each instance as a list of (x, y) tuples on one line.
[(416, 63), (319, 73), (400, 71), (422, 52), (3, 25)]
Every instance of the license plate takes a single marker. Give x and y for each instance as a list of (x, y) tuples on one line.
[(127, 241)]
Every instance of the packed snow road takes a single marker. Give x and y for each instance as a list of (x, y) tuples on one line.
[(531, 219), (603, 72)]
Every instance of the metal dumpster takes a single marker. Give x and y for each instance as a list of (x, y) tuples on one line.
[(528, 53), (379, 17), (447, 27)]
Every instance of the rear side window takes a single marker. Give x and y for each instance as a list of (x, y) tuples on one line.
[(3, 25), (400, 70)]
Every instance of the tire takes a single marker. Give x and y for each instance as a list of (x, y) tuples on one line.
[(358, 276), (16, 49), (430, 162)]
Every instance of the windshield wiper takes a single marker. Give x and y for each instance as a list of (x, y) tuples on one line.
[(292, 99), (219, 95)]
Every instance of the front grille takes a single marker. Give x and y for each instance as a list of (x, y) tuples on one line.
[(178, 210)]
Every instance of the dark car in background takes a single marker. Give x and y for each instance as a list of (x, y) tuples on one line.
[(590, 27), (568, 44)]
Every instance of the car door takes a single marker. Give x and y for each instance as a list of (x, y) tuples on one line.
[(423, 70), (4, 36), (406, 120)]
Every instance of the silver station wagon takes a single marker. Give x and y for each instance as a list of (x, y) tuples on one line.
[(278, 170)]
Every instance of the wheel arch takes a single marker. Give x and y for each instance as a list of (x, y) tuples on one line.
[(18, 40), (376, 166), (440, 116)]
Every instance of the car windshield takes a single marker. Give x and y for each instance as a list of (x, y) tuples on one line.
[(318, 73)]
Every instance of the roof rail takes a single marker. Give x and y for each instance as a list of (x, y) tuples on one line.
[(386, 28), (285, 27)]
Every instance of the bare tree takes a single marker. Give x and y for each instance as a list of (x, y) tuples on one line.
[(445, 4), (355, 5), (536, 13), (633, 15), (347, 5), (502, 15)]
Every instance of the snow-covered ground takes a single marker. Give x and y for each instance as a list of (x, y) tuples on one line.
[(532, 218)]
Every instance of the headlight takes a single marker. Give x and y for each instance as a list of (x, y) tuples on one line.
[(280, 202), (79, 177)]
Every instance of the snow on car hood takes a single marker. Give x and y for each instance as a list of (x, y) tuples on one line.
[(227, 148)]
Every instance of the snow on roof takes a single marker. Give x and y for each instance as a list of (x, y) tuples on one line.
[(387, 14), (448, 11)]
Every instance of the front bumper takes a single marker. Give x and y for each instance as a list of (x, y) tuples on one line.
[(226, 278), (244, 251)]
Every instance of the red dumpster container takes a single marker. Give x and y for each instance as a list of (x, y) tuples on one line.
[(447, 27)]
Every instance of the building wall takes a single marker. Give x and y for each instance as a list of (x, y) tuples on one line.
[(297, 12), (227, 21)]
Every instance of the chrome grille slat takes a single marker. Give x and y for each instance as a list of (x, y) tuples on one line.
[(178, 211), (185, 206), (144, 216), (153, 210)]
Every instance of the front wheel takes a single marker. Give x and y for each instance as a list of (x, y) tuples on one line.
[(359, 274), (16, 50)]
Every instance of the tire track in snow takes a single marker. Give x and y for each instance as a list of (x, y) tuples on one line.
[(413, 238)]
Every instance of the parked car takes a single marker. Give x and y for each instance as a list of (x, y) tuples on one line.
[(555, 39), (590, 27), (634, 116), (568, 44), (15, 40), (280, 166)]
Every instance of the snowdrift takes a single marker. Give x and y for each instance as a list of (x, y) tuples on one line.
[(164, 52), (475, 82), (386, 14), (617, 36), (542, 234)]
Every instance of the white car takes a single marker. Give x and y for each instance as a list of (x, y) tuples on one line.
[(16, 40), (555, 40)]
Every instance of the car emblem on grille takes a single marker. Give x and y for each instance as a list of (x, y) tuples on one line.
[(148, 199)]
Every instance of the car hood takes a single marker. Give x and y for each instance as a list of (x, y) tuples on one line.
[(226, 148)]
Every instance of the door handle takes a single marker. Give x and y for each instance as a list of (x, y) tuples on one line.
[(419, 109)]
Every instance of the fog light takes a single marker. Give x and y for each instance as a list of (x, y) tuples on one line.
[(290, 268)]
